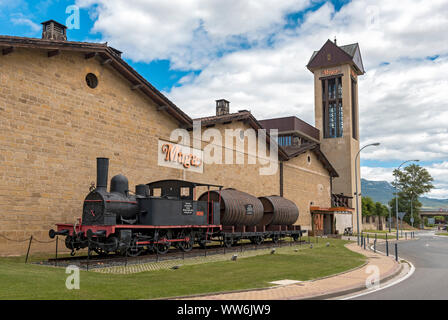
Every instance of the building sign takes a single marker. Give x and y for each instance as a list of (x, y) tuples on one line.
[(187, 207), (180, 157), (330, 72)]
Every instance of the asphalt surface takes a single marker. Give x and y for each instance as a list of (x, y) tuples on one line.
[(429, 254)]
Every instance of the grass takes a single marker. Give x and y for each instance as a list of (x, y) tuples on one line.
[(20, 281), (442, 234)]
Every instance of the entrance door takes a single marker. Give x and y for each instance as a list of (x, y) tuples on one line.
[(328, 223)]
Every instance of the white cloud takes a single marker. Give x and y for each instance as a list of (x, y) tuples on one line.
[(187, 32), (20, 20), (403, 104)]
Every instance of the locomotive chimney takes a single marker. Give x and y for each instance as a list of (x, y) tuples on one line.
[(102, 169)]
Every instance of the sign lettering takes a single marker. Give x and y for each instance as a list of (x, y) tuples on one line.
[(329, 72)]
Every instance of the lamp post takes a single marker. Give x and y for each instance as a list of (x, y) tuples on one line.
[(396, 194), (390, 218), (356, 184)]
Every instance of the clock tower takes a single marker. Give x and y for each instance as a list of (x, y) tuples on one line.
[(336, 70)]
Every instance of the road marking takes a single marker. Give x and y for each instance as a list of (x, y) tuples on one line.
[(386, 286)]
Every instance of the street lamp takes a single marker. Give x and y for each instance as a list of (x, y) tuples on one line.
[(376, 144), (396, 194)]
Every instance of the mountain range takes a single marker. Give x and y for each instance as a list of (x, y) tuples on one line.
[(382, 191)]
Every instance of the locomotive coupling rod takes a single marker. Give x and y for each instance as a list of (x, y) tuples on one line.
[(53, 233)]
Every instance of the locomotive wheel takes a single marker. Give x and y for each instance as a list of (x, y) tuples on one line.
[(162, 248), (186, 246)]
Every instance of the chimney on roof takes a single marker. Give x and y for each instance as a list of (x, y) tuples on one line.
[(222, 107), (53, 30)]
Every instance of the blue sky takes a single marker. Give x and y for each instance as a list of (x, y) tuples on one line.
[(196, 51)]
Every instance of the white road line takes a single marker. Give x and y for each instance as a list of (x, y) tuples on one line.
[(386, 286)]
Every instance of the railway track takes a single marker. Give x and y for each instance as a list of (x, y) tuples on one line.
[(96, 261)]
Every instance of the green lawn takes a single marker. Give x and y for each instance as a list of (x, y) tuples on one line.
[(20, 281), (442, 234)]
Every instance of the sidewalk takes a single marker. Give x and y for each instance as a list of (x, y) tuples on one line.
[(342, 283)]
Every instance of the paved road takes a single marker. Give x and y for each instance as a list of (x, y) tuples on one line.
[(429, 254)]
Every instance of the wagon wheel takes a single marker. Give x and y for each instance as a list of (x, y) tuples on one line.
[(295, 237), (134, 251), (275, 239), (203, 243), (162, 248), (228, 242), (259, 240)]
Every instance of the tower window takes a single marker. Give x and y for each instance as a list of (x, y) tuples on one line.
[(354, 115), (332, 107)]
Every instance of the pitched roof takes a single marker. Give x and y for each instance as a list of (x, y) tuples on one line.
[(294, 151), (106, 54), (242, 115), (331, 55)]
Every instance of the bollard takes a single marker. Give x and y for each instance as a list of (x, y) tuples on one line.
[(362, 240), (376, 237), (386, 236), (374, 246), (406, 235), (387, 248), (364, 243), (396, 252), (368, 240)]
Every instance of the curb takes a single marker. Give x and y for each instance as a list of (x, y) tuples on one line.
[(257, 289), (352, 290), (358, 288)]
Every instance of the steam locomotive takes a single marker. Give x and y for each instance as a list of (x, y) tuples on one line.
[(164, 214)]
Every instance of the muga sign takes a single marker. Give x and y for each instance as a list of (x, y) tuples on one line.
[(180, 157)]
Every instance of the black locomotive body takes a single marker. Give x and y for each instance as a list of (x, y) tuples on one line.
[(164, 214)]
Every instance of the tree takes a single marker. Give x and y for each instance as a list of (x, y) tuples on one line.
[(368, 206), (404, 205), (412, 182), (381, 210)]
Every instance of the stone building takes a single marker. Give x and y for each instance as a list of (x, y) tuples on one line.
[(64, 103)]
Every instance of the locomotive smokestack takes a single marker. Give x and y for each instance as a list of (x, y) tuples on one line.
[(102, 170)]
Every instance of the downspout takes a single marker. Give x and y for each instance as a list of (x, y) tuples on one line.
[(281, 178)]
